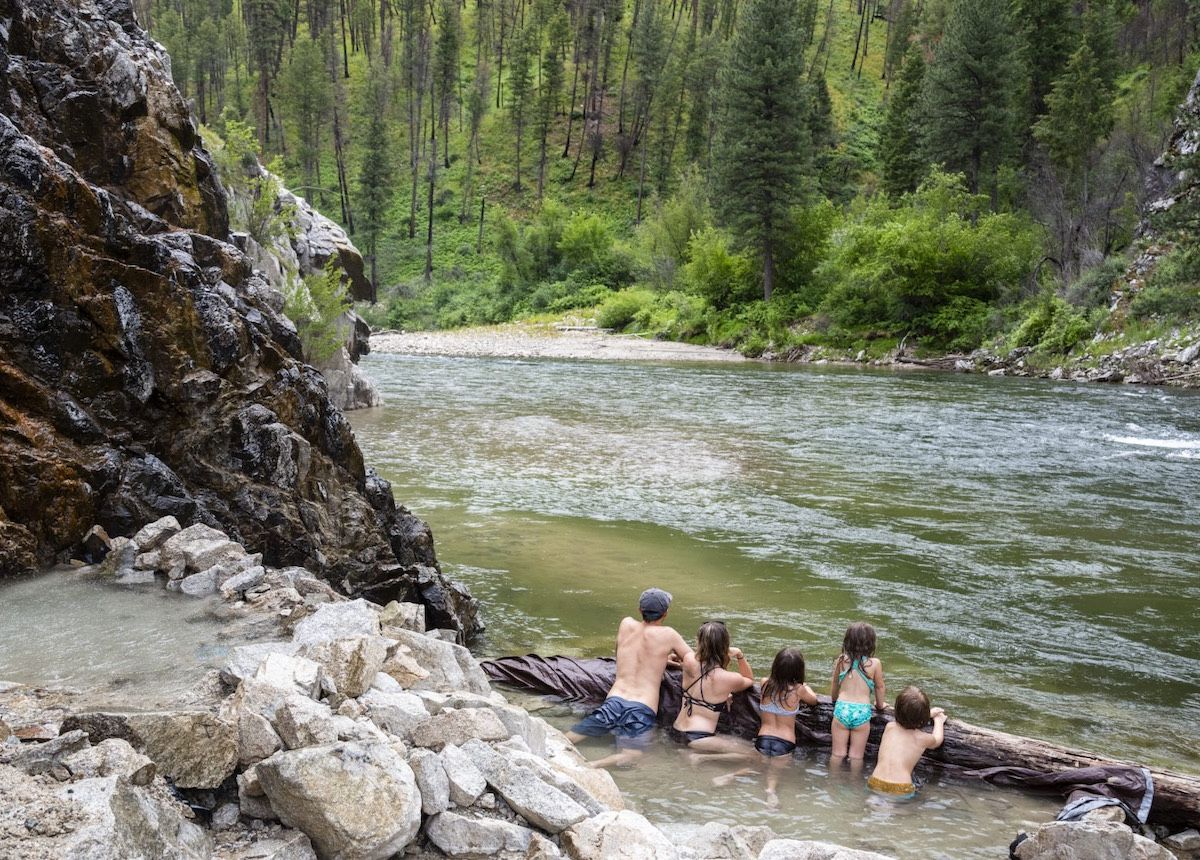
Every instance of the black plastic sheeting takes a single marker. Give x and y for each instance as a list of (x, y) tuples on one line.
[(586, 682)]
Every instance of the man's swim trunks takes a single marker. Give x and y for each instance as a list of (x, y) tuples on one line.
[(892, 789), (630, 722), (852, 714), (771, 746)]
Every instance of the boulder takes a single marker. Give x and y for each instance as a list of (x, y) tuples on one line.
[(451, 667), (570, 782), (119, 561), (337, 621), (431, 780), (397, 713), (403, 616), (152, 535), (617, 836), (243, 661), (302, 722), (240, 583), (124, 821), (196, 750), (47, 757), (352, 663), (797, 849), (464, 780), (225, 816), (541, 803), (252, 800), (352, 800), (1089, 840), (718, 841), (111, 757), (458, 727), (457, 835), (257, 738), (197, 548), (5, 731), (200, 584), (290, 673)]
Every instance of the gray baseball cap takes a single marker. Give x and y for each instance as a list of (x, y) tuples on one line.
[(654, 603)]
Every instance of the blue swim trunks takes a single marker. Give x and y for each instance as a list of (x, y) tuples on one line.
[(630, 722), (852, 714)]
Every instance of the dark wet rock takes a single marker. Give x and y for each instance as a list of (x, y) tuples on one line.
[(144, 371)]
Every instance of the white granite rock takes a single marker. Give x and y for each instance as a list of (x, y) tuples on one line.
[(352, 800)]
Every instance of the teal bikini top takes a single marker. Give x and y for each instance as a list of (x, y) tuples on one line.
[(857, 666)]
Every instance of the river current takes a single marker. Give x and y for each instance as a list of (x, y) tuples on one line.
[(1026, 550)]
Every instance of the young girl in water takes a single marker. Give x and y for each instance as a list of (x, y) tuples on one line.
[(783, 693), (857, 679)]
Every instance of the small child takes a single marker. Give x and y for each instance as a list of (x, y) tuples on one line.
[(783, 693), (904, 741), (857, 678)]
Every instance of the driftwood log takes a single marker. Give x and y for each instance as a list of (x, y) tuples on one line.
[(968, 751)]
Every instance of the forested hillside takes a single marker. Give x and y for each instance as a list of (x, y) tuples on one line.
[(759, 173)]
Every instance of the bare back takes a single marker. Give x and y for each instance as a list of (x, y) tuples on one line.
[(642, 651), (900, 749)]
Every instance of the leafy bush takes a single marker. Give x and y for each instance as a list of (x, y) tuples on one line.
[(675, 315), (619, 310), (585, 241), (716, 272), (316, 306), (1053, 326), (1093, 287), (1172, 302), (929, 266)]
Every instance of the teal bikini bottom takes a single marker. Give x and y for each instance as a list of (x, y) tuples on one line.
[(852, 714)]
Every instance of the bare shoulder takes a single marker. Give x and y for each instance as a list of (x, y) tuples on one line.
[(876, 665)]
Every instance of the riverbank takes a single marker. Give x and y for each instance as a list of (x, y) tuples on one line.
[(545, 340)]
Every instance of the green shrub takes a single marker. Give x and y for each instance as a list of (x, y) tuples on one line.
[(1053, 326), (316, 306), (1175, 302), (619, 310), (585, 241), (930, 265), (716, 272), (1094, 286)]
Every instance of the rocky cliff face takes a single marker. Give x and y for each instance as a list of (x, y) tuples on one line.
[(143, 368)]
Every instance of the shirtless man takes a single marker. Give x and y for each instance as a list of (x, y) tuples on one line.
[(630, 710)]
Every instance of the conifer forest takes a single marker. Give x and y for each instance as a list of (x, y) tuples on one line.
[(753, 173)]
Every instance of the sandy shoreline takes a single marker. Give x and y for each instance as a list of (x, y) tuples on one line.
[(526, 341)]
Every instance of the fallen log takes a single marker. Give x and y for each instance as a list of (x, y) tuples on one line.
[(968, 751)]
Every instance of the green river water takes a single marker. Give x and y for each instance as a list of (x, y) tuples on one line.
[(1025, 550)]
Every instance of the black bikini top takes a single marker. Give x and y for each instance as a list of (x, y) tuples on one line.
[(689, 700)]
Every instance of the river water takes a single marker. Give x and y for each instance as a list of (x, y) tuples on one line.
[(1025, 550)]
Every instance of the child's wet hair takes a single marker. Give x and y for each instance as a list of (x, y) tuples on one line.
[(912, 708), (859, 642), (712, 641), (787, 671)]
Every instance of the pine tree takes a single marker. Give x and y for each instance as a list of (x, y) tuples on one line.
[(764, 146), (446, 63), (900, 152), (1079, 113), (374, 179), (1045, 33), (305, 99), (520, 90), (969, 92), (550, 91)]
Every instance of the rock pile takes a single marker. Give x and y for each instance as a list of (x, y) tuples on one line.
[(357, 733)]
